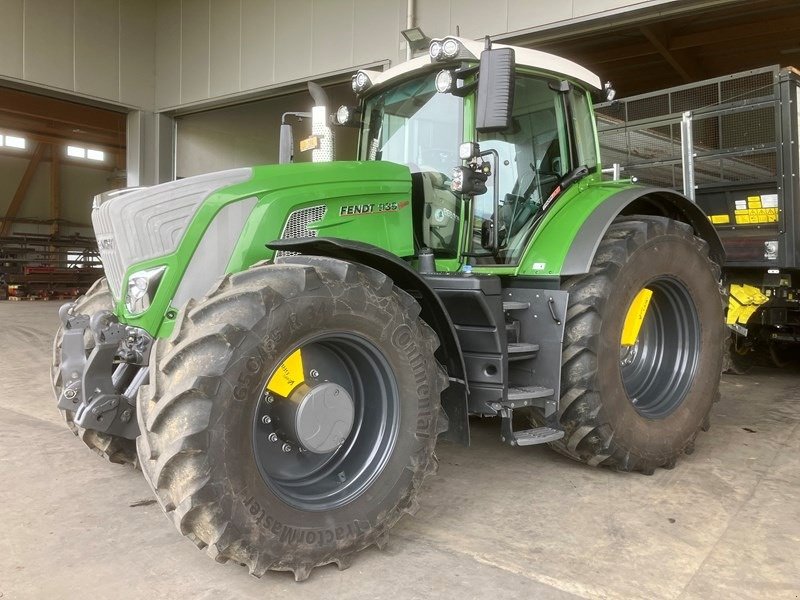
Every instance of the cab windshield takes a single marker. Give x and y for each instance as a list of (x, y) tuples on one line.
[(414, 125)]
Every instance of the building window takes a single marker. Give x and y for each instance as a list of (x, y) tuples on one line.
[(86, 153), (12, 141)]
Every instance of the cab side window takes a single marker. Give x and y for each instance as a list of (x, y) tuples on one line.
[(533, 157)]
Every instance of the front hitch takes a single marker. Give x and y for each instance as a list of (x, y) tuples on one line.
[(99, 385)]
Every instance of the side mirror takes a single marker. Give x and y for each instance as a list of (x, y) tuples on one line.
[(495, 90), (286, 144)]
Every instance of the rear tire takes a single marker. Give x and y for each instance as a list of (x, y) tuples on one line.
[(639, 412), (205, 442), (113, 448)]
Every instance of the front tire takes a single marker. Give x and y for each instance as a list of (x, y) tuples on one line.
[(640, 406), (215, 445)]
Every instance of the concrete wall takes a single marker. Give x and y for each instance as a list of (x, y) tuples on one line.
[(103, 49), (209, 49), (166, 54)]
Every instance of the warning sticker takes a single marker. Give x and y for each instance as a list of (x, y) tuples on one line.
[(756, 216), (769, 201), (720, 219), (288, 375)]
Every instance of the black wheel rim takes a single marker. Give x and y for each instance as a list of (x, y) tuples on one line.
[(658, 370), (322, 481)]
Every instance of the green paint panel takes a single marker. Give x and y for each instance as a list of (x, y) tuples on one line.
[(366, 201)]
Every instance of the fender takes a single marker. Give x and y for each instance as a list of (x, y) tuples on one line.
[(454, 398), (638, 201)]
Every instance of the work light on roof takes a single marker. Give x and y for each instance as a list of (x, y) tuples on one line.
[(444, 81), (450, 48), (360, 82), (435, 49)]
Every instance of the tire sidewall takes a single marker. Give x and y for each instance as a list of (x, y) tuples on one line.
[(676, 257), (255, 509)]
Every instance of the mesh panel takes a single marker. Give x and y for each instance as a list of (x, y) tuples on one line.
[(751, 85), (732, 143), (297, 225), (695, 98), (648, 107)]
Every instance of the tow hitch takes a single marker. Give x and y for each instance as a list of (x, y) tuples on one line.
[(101, 379)]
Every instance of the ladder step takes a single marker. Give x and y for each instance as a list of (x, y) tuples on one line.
[(522, 351), (539, 435), (519, 394), (514, 305)]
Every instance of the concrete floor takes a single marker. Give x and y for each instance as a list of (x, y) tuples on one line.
[(497, 522)]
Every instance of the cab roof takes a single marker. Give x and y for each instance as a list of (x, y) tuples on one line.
[(541, 61)]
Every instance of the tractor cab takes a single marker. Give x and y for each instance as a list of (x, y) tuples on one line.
[(518, 129)]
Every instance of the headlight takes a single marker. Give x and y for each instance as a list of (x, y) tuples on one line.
[(142, 287)]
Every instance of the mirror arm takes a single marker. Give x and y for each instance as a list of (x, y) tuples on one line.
[(462, 91)]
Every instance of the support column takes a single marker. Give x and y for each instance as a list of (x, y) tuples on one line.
[(150, 148)]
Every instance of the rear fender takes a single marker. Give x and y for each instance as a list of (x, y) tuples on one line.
[(637, 201)]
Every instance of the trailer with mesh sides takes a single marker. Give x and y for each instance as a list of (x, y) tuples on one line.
[(730, 144)]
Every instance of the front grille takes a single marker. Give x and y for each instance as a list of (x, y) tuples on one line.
[(297, 225)]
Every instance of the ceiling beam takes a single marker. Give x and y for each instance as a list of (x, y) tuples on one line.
[(754, 28), (659, 38), (61, 111), (22, 188)]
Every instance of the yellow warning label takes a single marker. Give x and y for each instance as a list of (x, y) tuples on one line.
[(755, 216), (635, 317), (288, 375), (754, 202), (720, 219), (309, 143)]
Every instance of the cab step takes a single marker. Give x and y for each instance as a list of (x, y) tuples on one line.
[(538, 435), (515, 305), (520, 394), (522, 351)]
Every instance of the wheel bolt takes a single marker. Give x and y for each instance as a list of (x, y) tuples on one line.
[(266, 420), (286, 448), (273, 437), (314, 373)]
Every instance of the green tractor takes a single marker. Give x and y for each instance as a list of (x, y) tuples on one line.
[(279, 348)]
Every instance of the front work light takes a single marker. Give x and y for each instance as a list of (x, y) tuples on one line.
[(450, 48), (360, 82), (469, 182), (444, 81), (142, 286), (343, 115)]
